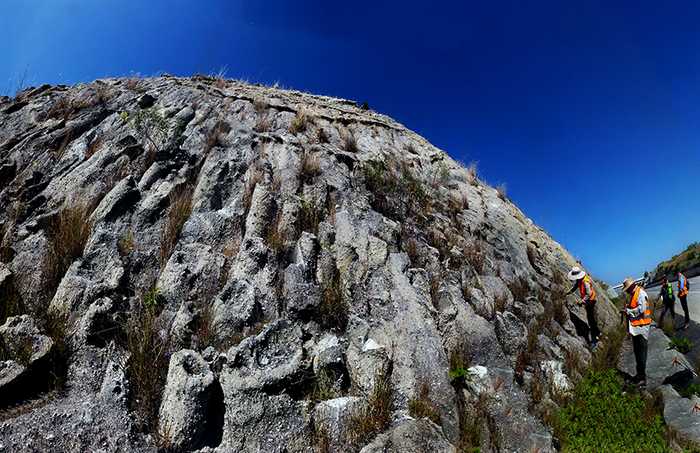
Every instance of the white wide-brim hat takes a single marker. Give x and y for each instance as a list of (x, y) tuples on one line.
[(576, 273)]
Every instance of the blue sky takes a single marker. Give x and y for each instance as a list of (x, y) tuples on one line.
[(588, 111)]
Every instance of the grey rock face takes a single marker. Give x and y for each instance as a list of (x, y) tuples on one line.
[(183, 411), (412, 436), (286, 237)]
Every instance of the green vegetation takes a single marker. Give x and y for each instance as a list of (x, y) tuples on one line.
[(459, 364), (324, 386), (687, 259), (690, 390), (680, 344), (601, 417), (150, 125)]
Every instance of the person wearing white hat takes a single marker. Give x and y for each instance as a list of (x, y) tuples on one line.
[(584, 284), (639, 316)]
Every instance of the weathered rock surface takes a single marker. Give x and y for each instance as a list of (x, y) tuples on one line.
[(288, 249)]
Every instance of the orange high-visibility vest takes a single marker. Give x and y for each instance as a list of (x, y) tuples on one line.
[(682, 285), (582, 287), (645, 318)]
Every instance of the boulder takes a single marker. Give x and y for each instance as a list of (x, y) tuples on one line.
[(183, 410), (411, 436), (682, 415)]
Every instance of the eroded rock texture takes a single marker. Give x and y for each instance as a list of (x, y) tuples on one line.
[(227, 267)]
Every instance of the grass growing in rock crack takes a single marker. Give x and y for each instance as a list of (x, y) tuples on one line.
[(375, 416), (520, 289), (310, 166), (333, 310), (178, 213), (276, 237), (349, 141), (473, 252), (459, 364), (300, 122), (68, 233), (421, 406), (310, 216), (148, 359), (215, 135), (324, 386)]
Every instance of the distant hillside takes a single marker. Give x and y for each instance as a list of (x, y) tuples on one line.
[(687, 260)]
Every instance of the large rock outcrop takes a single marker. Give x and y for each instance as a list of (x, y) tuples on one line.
[(310, 270)]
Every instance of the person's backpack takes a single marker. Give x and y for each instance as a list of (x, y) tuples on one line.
[(667, 293)]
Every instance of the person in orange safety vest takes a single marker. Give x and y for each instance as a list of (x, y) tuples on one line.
[(584, 285), (639, 316)]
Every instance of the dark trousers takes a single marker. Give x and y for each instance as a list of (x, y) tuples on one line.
[(592, 323), (684, 304), (668, 306), (639, 344)]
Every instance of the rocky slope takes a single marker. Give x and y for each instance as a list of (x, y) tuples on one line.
[(202, 264)]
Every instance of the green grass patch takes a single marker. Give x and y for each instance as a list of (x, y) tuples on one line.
[(602, 417), (680, 344)]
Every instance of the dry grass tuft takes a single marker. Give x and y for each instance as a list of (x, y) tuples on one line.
[(310, 166), (255, 176), (375, 417), (411, 249), (474, 253), (472, 174), (457, 202), (148, 359), (333, 310), (67, 233), (300, 122), (520, 289), (322, 136), (179, 211), (93, 147), (310, 216), (126, 244), (502, 192), (499, 303), (421, 406), (133, 84), (276, 238), (349, 141), (260, 106), (215, 135)]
